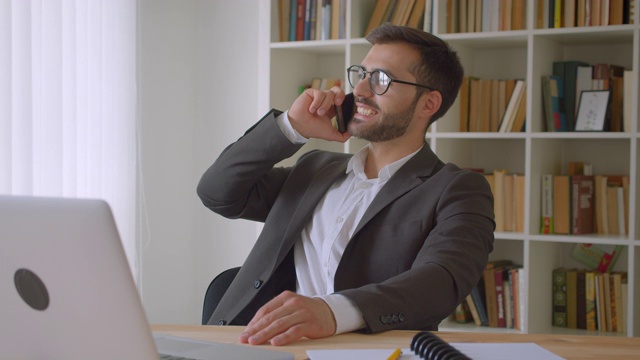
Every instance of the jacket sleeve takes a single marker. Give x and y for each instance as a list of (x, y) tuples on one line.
[(243, 182)]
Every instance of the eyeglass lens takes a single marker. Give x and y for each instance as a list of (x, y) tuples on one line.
[(378, 81)]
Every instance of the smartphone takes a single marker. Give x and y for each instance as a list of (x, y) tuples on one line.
[(344, 113)]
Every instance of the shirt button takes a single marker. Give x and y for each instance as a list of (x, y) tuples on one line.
[(339, 219), (257, 284)]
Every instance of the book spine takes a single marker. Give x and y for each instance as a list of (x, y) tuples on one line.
[(559, 297), (590, 296), (547, 204)]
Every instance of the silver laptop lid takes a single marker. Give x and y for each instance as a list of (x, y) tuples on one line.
[(66, 291)]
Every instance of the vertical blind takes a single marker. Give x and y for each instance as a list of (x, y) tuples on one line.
[(68, 103)]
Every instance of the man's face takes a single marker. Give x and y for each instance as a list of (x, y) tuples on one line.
[(385, 117)]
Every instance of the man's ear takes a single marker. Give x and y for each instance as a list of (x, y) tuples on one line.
[(430, 103)]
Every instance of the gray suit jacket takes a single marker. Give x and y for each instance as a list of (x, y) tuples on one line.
[(419, 249)]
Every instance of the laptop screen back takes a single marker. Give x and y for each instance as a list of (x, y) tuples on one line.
[(66, 290)]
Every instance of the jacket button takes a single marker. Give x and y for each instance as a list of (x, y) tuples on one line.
[(394, 319), (257, 284), (222, 322), (401, 317)]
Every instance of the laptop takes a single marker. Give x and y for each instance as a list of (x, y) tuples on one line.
[(66, 290)]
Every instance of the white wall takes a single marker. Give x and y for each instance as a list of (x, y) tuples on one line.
[(198, 64)]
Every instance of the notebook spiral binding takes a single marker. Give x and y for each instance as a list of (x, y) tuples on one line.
[(430, 347)]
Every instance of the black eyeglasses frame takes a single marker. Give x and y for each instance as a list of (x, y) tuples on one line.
[(361, 70)]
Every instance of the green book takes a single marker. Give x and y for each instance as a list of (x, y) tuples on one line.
[(598, 257), (559, 297)]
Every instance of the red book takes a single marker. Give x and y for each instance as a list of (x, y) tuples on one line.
[(498, 273), (300, 12), (582, 205)]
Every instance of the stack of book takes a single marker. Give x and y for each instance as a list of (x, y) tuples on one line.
[(571, 13), (301, 20), (410, 13), (582, 203), (508, 200), (498, 299), (562, 91), (492, 105), (482, 16), (590, 300)]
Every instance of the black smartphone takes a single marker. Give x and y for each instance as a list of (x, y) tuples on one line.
[(344, 113)]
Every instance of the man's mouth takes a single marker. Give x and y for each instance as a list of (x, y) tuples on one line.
[(366, 111)]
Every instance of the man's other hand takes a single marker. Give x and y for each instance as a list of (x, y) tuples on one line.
[(288, 318)]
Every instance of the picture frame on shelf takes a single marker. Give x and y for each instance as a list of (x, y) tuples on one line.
[(592, 110)]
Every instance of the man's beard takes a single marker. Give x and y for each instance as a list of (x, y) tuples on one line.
[(389, 126)]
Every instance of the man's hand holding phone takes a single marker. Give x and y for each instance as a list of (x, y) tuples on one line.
[(311, 113)]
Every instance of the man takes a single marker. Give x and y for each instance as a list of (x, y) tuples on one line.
[(389, 238)]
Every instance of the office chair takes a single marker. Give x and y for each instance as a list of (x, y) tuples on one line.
[(217, 287)]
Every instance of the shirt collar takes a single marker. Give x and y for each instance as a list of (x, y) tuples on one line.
[(357, 161)]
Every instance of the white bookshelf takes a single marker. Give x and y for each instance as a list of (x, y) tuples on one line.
[(526, 54)]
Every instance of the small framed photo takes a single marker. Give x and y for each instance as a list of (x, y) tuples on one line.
[(592, 110)]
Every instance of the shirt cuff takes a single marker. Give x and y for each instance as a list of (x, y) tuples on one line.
[(288, 130), (348, 317)]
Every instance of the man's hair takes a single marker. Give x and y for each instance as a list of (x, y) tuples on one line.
[(439, 66)]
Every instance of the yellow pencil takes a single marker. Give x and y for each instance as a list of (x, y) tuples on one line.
[(395, 355)]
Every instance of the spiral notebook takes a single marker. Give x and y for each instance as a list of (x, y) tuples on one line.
[(428, 346)]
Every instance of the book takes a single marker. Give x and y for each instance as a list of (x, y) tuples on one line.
[(600, 257), (616, 107), (553, 104), (512, 106), (300, 13), (546, 222), (284, 17), (568, 71), (489, 282), (600, 204), (519, 202), (464, 92), (627, 119), (518, 16), (581, 304), (491, 301), (521, 114), (499, 274), (499, 199), (561, 204), (559, 294), (569, 13), (478, 296), (508, 197), (612, 210), (582, 206), (485, 106), (473, 310), (572, 295), (417, 14), (590, 301), (600, 315)]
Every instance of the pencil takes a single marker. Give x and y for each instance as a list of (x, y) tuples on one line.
[(395, 355)]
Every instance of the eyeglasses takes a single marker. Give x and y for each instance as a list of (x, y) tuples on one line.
[(379, 81)]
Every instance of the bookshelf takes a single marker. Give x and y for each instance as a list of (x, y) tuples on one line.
[(520, 54)]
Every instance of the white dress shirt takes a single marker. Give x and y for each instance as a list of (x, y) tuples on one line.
[(323, 241)]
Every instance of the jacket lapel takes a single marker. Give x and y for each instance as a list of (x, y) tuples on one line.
[(415, 172), (314, 193)]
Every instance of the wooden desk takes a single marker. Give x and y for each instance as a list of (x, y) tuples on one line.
[(567, 346)]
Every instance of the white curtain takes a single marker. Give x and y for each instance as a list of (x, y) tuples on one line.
[(68, 103)]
